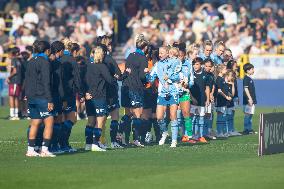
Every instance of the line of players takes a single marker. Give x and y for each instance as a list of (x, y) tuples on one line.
[(171, 84), (186, 91)]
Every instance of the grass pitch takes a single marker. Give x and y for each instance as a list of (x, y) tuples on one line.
[(231, 163)]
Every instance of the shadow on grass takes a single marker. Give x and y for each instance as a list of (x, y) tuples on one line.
[(79, 151)]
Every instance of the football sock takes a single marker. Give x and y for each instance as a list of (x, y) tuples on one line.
[(89, 134), (97, 135), (113, 130)]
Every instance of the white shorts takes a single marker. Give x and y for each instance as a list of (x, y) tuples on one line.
[(197, 110), (209, 109), (230, 110), (221, 109), (249, 109)]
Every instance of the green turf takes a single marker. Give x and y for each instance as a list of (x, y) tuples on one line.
[(231, 163)]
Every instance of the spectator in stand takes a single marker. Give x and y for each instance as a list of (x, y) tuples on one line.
[(274, 33), (58, 19), (279, 18), (27, 38), (83, 25), (43, 14), (146, 18), (270, 46), (30, 16), (3, 39), (2, 23), (42, 35), (256, 4), (17, 21), (100, 28), (243, 13), (91, 17), (60, 4), (12, 6), (230, 16), (256, 48), (271, 4), (107, 22), (50, 31), (97, 11)]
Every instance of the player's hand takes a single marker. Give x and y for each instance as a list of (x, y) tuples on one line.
[(229, 98), (50, 107), (64, 104), (25, 98), (211, 98), (250, 101), (88, 96), (7, 80), (166, 77), (82, 100), (185, 85), (166, 85), (206, 5), (207, 103), (128, 70), (146, 70), (116, 76)]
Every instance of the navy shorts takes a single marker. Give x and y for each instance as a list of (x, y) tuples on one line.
[(37, 109), (58, 104), (125, 100), (171, 100), (150, 99), (112, 104), (71, 105), (136, 99), (96, 107)]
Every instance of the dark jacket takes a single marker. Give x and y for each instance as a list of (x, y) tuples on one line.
[(137, 63), (37, 79), (97, 79), (71, 76)]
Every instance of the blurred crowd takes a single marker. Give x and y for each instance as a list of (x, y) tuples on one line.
[(53, 20), (254, 27)]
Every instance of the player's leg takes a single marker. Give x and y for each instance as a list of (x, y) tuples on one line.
[(17, 95), (114, 127), (100, 121), (185, 108), (146, 136), (12, 101), (174, 124), (136, 100), (125, 122), (56, 138), (70, 119), (154, 121), (220, 122), (101, 112), (89, 131), (201, 125), (32, 134), (160, 112), (47, 134)]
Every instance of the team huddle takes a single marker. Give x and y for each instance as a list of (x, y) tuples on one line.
[(173, 85)]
